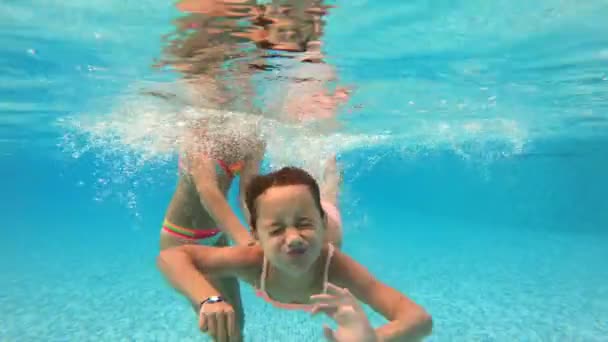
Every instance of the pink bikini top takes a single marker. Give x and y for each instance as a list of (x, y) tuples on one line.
[(261, 292)]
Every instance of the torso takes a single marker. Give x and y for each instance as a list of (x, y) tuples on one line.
[(186, 209), (279, 294), (230, 146)]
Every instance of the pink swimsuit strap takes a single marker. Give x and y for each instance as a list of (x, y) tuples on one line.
[(261, 292)]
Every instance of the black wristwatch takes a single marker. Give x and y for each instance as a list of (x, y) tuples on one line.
[(210, 300)]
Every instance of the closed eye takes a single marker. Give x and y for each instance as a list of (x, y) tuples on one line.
[(276, 228), (304, 222)]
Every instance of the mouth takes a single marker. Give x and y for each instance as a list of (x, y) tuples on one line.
[(297, 251)]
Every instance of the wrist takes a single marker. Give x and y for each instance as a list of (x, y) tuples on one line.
[(210, 300)]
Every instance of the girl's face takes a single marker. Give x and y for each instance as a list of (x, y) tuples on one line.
[(290, 228)]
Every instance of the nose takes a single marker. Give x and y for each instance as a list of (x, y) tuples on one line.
[(293, 238)]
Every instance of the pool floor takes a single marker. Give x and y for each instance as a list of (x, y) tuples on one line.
[(480, 284)]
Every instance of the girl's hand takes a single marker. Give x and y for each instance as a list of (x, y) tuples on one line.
[(218, 320), (341, 306)]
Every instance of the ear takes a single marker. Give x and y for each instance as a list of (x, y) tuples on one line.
[(325, 220)]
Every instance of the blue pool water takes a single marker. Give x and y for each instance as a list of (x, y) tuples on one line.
[(475, 169)]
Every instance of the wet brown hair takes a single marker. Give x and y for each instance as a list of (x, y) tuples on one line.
[(286, 176)]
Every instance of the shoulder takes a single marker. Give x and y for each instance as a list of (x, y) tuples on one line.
[(347, 272), (252, 259)]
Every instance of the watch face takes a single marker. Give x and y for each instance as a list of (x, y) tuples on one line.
[(214, 299)]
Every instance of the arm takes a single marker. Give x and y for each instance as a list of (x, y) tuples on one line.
[(212, 198), (187, 267), (407, 320), (251, 169)]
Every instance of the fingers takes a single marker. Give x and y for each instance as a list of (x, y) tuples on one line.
[(231, 326), (328, 309), (202, 323), (329, 334), (220, 328), (338, 304), (336, 290), (326, 303), (220, 325), (211, 324), (336, 294), (335, 299), (323, 297)]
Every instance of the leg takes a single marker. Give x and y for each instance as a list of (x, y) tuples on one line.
[(332, 179)]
